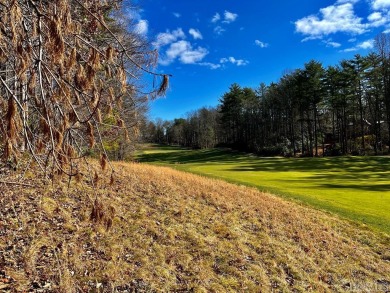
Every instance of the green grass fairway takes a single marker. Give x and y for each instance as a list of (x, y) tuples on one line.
[(357, 188)]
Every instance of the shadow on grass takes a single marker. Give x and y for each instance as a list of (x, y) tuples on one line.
[(336, 164), (329, 169), (364, 187), (186, 156)]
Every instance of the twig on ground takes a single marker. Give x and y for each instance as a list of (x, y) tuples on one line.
[(16, 183)]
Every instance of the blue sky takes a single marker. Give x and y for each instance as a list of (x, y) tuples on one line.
[(208, 45)]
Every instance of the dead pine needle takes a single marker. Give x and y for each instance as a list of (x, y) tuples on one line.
[(97, 212), (96, 179), (112, 179), (164, 86), (78, 177), (102, 214), (91, 137), (103, 161), (120, 123)]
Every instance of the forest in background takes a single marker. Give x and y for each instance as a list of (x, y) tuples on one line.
[(312, 111)]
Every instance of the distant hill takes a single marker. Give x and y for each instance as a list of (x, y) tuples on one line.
[(157, 229)]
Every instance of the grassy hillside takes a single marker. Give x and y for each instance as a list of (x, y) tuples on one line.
[(357, 188), (177, 232)]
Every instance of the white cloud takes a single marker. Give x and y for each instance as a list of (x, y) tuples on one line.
[(193, 56), (380, 4), (142, 27), (195, 34), (216, 18), (375, 16), (219, 30), (366, 45), (168, 37), (210, 65), (178, 48), (334, 18), (350, 49), (184, 52), (377, 19), (238, 62), (311, 38), (347, 1), (177, 15), (330, 43), (341, 18), (229, 16), (132, 14), (369, 44), (261, 44)]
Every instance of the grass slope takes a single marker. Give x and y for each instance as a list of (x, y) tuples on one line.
[(178, 232), (357, 188)]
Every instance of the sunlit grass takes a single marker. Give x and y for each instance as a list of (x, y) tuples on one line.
[(177, 232), (357, 188)]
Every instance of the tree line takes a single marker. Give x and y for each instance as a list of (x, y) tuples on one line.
[(311, 111)]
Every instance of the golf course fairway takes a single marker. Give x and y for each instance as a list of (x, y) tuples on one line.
[(355, 188)]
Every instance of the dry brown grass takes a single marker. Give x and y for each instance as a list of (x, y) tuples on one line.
[(177, 232)]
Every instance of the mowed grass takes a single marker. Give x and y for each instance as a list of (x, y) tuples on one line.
[(356, 188)]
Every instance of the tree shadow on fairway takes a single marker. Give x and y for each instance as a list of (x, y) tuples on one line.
[(339, 172), (335, 168), (349, 164), (183, 156), (363, 187)]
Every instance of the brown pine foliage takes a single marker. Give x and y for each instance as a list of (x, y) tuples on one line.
[(65, 66)]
